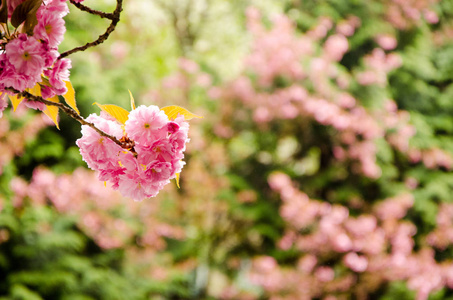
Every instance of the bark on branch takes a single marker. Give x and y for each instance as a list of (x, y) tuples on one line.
[(114, 17), (70, 112)]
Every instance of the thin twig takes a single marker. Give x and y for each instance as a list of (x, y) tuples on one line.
[(70, 112), (115, 19), (84, 8)]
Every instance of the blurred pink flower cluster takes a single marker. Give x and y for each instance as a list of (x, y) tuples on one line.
[(276, 51), (342, 255), (442, 236), (29, 54), (157, 147), (316, 87), (293, 77), (13, 141), (405, 13), (378, 64), (101, 213)]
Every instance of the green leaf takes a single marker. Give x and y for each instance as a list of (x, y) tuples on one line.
[(119, 113), (69, 97), (25, 11), (173, 111), (19, 291)]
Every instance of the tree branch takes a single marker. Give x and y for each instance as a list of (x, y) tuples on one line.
[(84, 8), (115, 19), (70, 112)]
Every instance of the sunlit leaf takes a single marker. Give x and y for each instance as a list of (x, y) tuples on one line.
[(15, 101), (52, 111), (69, 97), (36, 90), (173, 111), (132, 100), (115, 111), (177, 180)]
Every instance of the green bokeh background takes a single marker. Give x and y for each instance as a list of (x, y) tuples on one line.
[(68, 264)]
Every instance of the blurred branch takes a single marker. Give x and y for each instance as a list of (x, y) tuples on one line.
[(115, 17), (203, 17), (171, 11), (185, 30)]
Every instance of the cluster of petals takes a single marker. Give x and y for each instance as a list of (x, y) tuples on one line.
[(30, 58), (156, 157)]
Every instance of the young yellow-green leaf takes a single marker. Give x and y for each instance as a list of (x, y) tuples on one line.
[(69, 97), (15, 101), (132, 100), (115, 111), (36, 90), (173, 111), (177, 180), (52, 111)]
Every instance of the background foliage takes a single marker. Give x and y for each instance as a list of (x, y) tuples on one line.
[(322, 168)]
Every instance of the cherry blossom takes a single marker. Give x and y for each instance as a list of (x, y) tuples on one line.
[(155, 157), (26, 59)]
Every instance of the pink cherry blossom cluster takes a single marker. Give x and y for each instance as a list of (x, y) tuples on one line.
[(344, 255), (153, 158), (28, 57)]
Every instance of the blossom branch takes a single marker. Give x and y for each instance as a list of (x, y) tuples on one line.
[(70, 112), (115, 17), (84, 8)]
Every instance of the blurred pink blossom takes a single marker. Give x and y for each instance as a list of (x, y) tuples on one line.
[(386, 41), (355, 262), (336, 46)]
